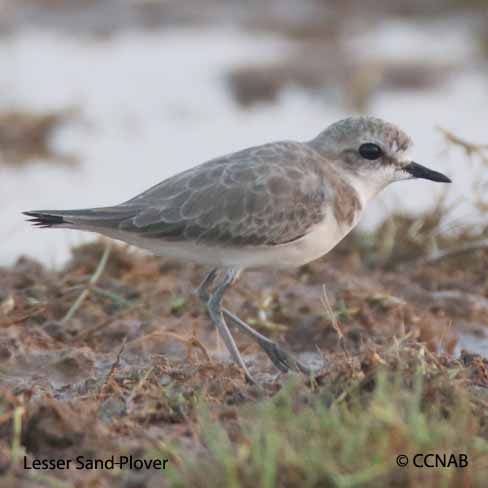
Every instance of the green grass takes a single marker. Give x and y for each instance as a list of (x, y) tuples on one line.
[(350, 438)]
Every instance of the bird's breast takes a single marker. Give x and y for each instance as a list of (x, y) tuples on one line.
[(321, 238)]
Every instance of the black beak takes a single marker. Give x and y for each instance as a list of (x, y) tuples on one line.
[(419, 171)]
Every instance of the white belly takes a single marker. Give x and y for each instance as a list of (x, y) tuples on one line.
[(319, 241)]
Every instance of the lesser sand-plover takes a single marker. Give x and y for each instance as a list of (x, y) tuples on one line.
[(277, 205)]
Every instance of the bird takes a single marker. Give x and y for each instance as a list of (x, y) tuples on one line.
[(277, 205)]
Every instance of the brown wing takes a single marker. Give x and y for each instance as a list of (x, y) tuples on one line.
[(270, 194)]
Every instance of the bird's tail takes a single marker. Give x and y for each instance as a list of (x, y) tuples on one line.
[(45, 219), (104, 217)]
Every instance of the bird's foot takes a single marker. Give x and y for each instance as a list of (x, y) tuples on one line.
[(282, 359)]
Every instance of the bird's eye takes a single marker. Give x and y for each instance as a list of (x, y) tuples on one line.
[(370, 151)]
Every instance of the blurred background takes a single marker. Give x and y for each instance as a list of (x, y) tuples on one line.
[(100, 99)]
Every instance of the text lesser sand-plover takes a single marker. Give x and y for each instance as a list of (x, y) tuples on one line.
[(277, 205)]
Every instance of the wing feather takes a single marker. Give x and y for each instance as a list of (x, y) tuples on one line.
[(270, 194)]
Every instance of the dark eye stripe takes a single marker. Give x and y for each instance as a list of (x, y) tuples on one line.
[(370, 151)]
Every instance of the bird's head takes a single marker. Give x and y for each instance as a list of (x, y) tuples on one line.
[(371, 153)]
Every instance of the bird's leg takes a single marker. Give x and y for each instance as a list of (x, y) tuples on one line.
[(213, 302), (202, 290), (280, 358)]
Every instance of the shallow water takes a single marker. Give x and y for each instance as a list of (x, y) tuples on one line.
[(152, 104), (474, 344)]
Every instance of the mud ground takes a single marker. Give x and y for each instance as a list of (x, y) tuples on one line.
[(121, 372)]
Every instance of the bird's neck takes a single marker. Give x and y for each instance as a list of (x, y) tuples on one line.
[(367, 188)]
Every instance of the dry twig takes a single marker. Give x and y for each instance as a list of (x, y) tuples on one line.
[(93, 280), (114, 367), (335, 323), (466, 248)]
